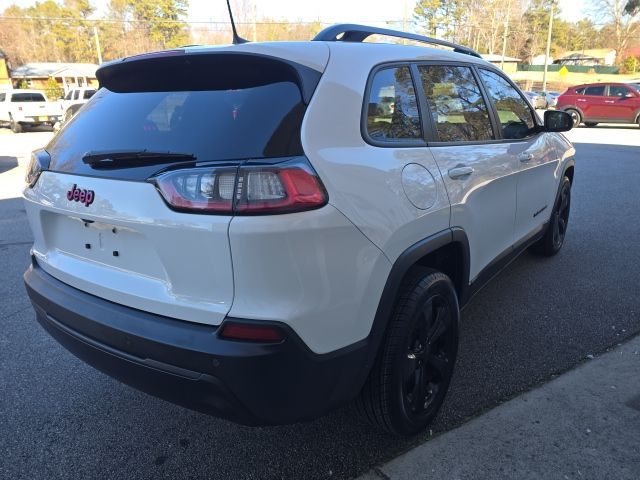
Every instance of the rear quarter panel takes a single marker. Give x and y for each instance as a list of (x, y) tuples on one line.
[(365, 181)]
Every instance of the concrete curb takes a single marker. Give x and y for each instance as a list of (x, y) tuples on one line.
[(584, 424)]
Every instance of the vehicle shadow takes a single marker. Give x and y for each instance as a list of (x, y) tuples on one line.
[(7, 163)]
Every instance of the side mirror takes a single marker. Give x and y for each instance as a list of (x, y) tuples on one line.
[(557, 121), (629, 95)]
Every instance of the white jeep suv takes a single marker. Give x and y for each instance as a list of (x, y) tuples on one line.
[(268, 231)]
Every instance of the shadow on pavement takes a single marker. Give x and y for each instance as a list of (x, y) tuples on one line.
[(7, 163)]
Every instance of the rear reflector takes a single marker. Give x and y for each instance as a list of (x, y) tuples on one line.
[(251, 333), (286, 187)]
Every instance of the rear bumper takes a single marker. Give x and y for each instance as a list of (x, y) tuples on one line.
[(188, 364), (40, 119)]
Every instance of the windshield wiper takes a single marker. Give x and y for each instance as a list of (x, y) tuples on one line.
[(134, 158)]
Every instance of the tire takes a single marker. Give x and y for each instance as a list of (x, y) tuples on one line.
[(410, 378), (575, 115), (16, 127), (554, 236), (590, 124)]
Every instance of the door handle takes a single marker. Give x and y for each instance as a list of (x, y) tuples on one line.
[(525, 157), (609, 101), (460, 171)]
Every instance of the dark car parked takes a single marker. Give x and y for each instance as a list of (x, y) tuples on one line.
[(602, 103)]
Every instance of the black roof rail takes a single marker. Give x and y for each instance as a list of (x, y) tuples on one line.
[(358, 33)]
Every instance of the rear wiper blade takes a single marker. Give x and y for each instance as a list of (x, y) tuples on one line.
[(133, 158)]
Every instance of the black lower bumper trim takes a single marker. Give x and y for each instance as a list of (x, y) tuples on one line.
[(188, 364)]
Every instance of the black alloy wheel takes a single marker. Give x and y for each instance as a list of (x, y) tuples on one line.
[(429, 361), (561, 216), (409, 381), (554, 237)]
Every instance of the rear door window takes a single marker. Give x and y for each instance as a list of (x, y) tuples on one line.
[(392, 107), (516, 118), (459, 111), (618, 91), (597, 91)]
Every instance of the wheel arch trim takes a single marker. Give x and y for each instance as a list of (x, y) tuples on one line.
[(402, 265)]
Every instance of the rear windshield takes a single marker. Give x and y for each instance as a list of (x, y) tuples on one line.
[(214, 125), (27, 97)]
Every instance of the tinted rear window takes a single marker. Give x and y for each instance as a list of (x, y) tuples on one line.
[(214, 125), (456, 103), (594, 91), (392, 113), (27, 97)]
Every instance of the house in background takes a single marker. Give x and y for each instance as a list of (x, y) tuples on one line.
[(589, 57), (67, 75), (539, 60), (5, 79), (510, 63), (632, 52)]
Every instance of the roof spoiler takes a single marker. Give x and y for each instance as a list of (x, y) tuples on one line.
[(179, 70)]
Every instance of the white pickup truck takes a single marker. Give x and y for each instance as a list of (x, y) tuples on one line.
[(74, 99), (21, 108)]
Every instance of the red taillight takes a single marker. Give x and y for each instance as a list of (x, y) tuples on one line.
[(287, 187), (198, 189), (251, 333)]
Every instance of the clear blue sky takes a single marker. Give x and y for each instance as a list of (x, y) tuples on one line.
[(327, 11)]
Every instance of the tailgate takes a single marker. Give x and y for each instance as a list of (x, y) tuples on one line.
[(128, 247), (40, 109), (99, 223)]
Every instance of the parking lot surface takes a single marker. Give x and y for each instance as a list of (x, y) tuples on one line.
[(538, 318)]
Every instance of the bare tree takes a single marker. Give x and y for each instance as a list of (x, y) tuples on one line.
[(624, 17)]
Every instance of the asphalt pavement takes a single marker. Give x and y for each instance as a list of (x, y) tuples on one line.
[(539, 318), (585, 424)]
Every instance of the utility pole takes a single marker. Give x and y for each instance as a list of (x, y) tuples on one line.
[(546, 57), (95, 35), (404, 20), (254, 28), (506, 32)]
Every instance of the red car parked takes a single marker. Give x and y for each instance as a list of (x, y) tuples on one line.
[(602, 103)]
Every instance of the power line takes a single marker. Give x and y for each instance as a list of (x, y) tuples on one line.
[(467, 24)]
